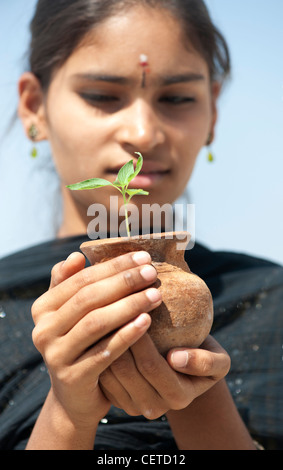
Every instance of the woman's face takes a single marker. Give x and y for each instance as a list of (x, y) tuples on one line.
[(100, 109)]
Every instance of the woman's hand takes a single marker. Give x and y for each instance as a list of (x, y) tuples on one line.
[(88, 319), (139, 380), (142, 382)]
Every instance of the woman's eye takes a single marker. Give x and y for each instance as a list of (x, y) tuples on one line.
[(98, 98), (176, 100)]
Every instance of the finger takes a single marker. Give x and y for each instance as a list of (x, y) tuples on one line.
[(213, 362), (102, 322), (65, 290), (156, 370), (115, 392), (131, 390), (65, 269), (103, 293), (101, 272), (101, 355)]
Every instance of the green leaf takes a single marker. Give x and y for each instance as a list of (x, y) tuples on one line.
[(134, 192), (117, 183), (125, 173), (93, 183), (138, 167)]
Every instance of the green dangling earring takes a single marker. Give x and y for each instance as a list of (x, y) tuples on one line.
[(33, 133), (33, 152), (210, 156)]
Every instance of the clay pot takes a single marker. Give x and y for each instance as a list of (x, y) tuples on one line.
[(185, 317)]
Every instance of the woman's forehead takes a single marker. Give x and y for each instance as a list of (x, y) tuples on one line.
[(138, 41), (139, 33)]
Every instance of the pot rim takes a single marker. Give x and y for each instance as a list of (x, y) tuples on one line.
[(181, 235)]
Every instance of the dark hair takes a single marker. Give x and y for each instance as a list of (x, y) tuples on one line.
[(59, 26)]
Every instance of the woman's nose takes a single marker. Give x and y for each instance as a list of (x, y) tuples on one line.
[(140, 127)]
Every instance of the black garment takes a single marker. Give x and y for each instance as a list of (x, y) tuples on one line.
[(248, 302)]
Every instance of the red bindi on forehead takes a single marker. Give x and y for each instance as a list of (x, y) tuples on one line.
[(145, 66), (143, 60)]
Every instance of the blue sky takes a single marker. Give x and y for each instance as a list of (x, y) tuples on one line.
[(238, 198)]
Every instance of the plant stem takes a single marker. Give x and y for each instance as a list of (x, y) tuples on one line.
[(126, 215)]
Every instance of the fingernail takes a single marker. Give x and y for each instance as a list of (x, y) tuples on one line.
[(71, 256), (148, 273), (180, 359), (141, 321), (142, 257), (153, 295)]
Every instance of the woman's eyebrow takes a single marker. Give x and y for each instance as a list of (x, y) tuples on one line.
[(93, 77), (181, 78)]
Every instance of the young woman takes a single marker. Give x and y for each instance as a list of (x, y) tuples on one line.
[(107, 79)]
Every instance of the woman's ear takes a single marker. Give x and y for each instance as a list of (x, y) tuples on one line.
[(31, 109)]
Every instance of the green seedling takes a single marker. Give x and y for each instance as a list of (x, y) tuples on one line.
[(125, 175)]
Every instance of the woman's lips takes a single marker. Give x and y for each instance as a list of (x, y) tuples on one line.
[(146, 180)]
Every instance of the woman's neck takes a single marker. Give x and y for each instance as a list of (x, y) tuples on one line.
[(73, 222)]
